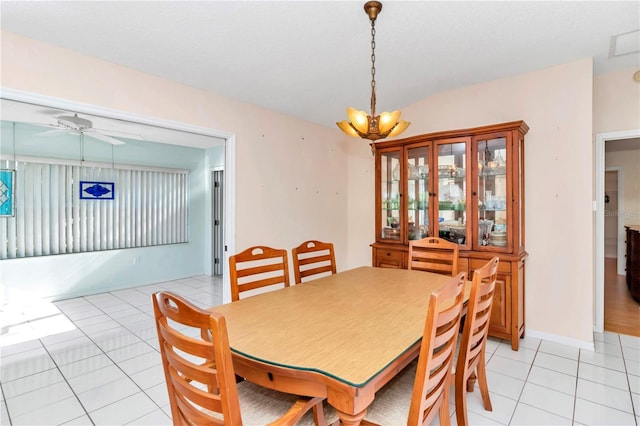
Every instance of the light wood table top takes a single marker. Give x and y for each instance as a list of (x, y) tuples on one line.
[(345, 334)]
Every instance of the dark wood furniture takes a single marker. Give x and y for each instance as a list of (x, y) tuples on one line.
[(466, 186), (633, 260)]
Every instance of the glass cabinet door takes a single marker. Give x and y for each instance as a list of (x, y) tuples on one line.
[(492, 191), (417, 194), (452, 186), (390, 190)]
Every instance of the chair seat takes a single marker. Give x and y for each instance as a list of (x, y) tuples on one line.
[(391, 404), (261, 406)]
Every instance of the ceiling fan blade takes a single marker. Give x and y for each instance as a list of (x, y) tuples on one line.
[(105, 138), (51, 132), (118, 134)]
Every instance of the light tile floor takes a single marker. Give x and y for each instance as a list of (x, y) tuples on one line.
[(95, 360)]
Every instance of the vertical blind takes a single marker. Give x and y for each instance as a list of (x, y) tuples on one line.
[(149, 208)]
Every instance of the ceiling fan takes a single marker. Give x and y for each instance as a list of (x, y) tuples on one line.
[(81, 126)]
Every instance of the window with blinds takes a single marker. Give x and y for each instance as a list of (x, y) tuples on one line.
[(149, 208)]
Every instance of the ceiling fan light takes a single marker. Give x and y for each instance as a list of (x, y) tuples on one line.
[(387, 121), (400, 127), (359, 120), (348, 128)]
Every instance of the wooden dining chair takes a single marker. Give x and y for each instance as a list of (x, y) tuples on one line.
[(434, 254), (200, 376), (313, 258), (257, 267), (431, 374), (471, 355)]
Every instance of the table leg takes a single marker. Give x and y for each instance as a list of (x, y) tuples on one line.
[(351, 419)]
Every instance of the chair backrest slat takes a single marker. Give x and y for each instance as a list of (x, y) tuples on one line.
[(433, 375), (434, 255), (476, 327), (199, 372), (257, 267), (313, 258)]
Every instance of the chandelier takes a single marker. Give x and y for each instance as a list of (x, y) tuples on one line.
[(373, 127)]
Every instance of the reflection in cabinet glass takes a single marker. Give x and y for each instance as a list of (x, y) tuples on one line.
[(390, 194), (492, 192), (452, 191), (417, 200), (466, 186)]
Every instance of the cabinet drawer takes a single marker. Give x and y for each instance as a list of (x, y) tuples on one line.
[(503, 266), (388, 259)]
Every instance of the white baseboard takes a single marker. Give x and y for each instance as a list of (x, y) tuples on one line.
[(580, 344)]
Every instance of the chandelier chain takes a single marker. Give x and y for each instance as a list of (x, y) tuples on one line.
[(373, 67)]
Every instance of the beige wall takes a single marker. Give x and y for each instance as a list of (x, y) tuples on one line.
[(556, 104), (616, 102)]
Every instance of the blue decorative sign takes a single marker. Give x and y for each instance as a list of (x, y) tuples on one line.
[(7, 183), (96, 190)]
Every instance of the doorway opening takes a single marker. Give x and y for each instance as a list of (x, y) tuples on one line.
[(29, 107), (629, 139)]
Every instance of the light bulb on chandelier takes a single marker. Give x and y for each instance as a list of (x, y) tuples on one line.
[(373, 127)]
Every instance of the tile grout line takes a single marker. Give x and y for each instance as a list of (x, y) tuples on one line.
[(6, 406), (575, 393), (526, 380), (98, 307), (116, 363), (67, 382), (626, 371)]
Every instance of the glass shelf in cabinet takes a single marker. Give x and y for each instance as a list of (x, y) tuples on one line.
[(451, 173), (453, 208), (493, 173)]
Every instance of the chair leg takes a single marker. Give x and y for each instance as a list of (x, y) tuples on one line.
[(443, 411), (461, 402), (318, 415), (482, 383)]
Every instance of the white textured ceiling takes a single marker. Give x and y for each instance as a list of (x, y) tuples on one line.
[(311, 59)]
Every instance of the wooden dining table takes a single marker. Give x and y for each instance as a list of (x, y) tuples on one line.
[(341, 337)]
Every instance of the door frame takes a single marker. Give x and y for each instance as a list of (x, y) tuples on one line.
[(601, 139)]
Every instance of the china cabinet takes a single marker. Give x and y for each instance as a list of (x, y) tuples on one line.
[(466, 186)]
